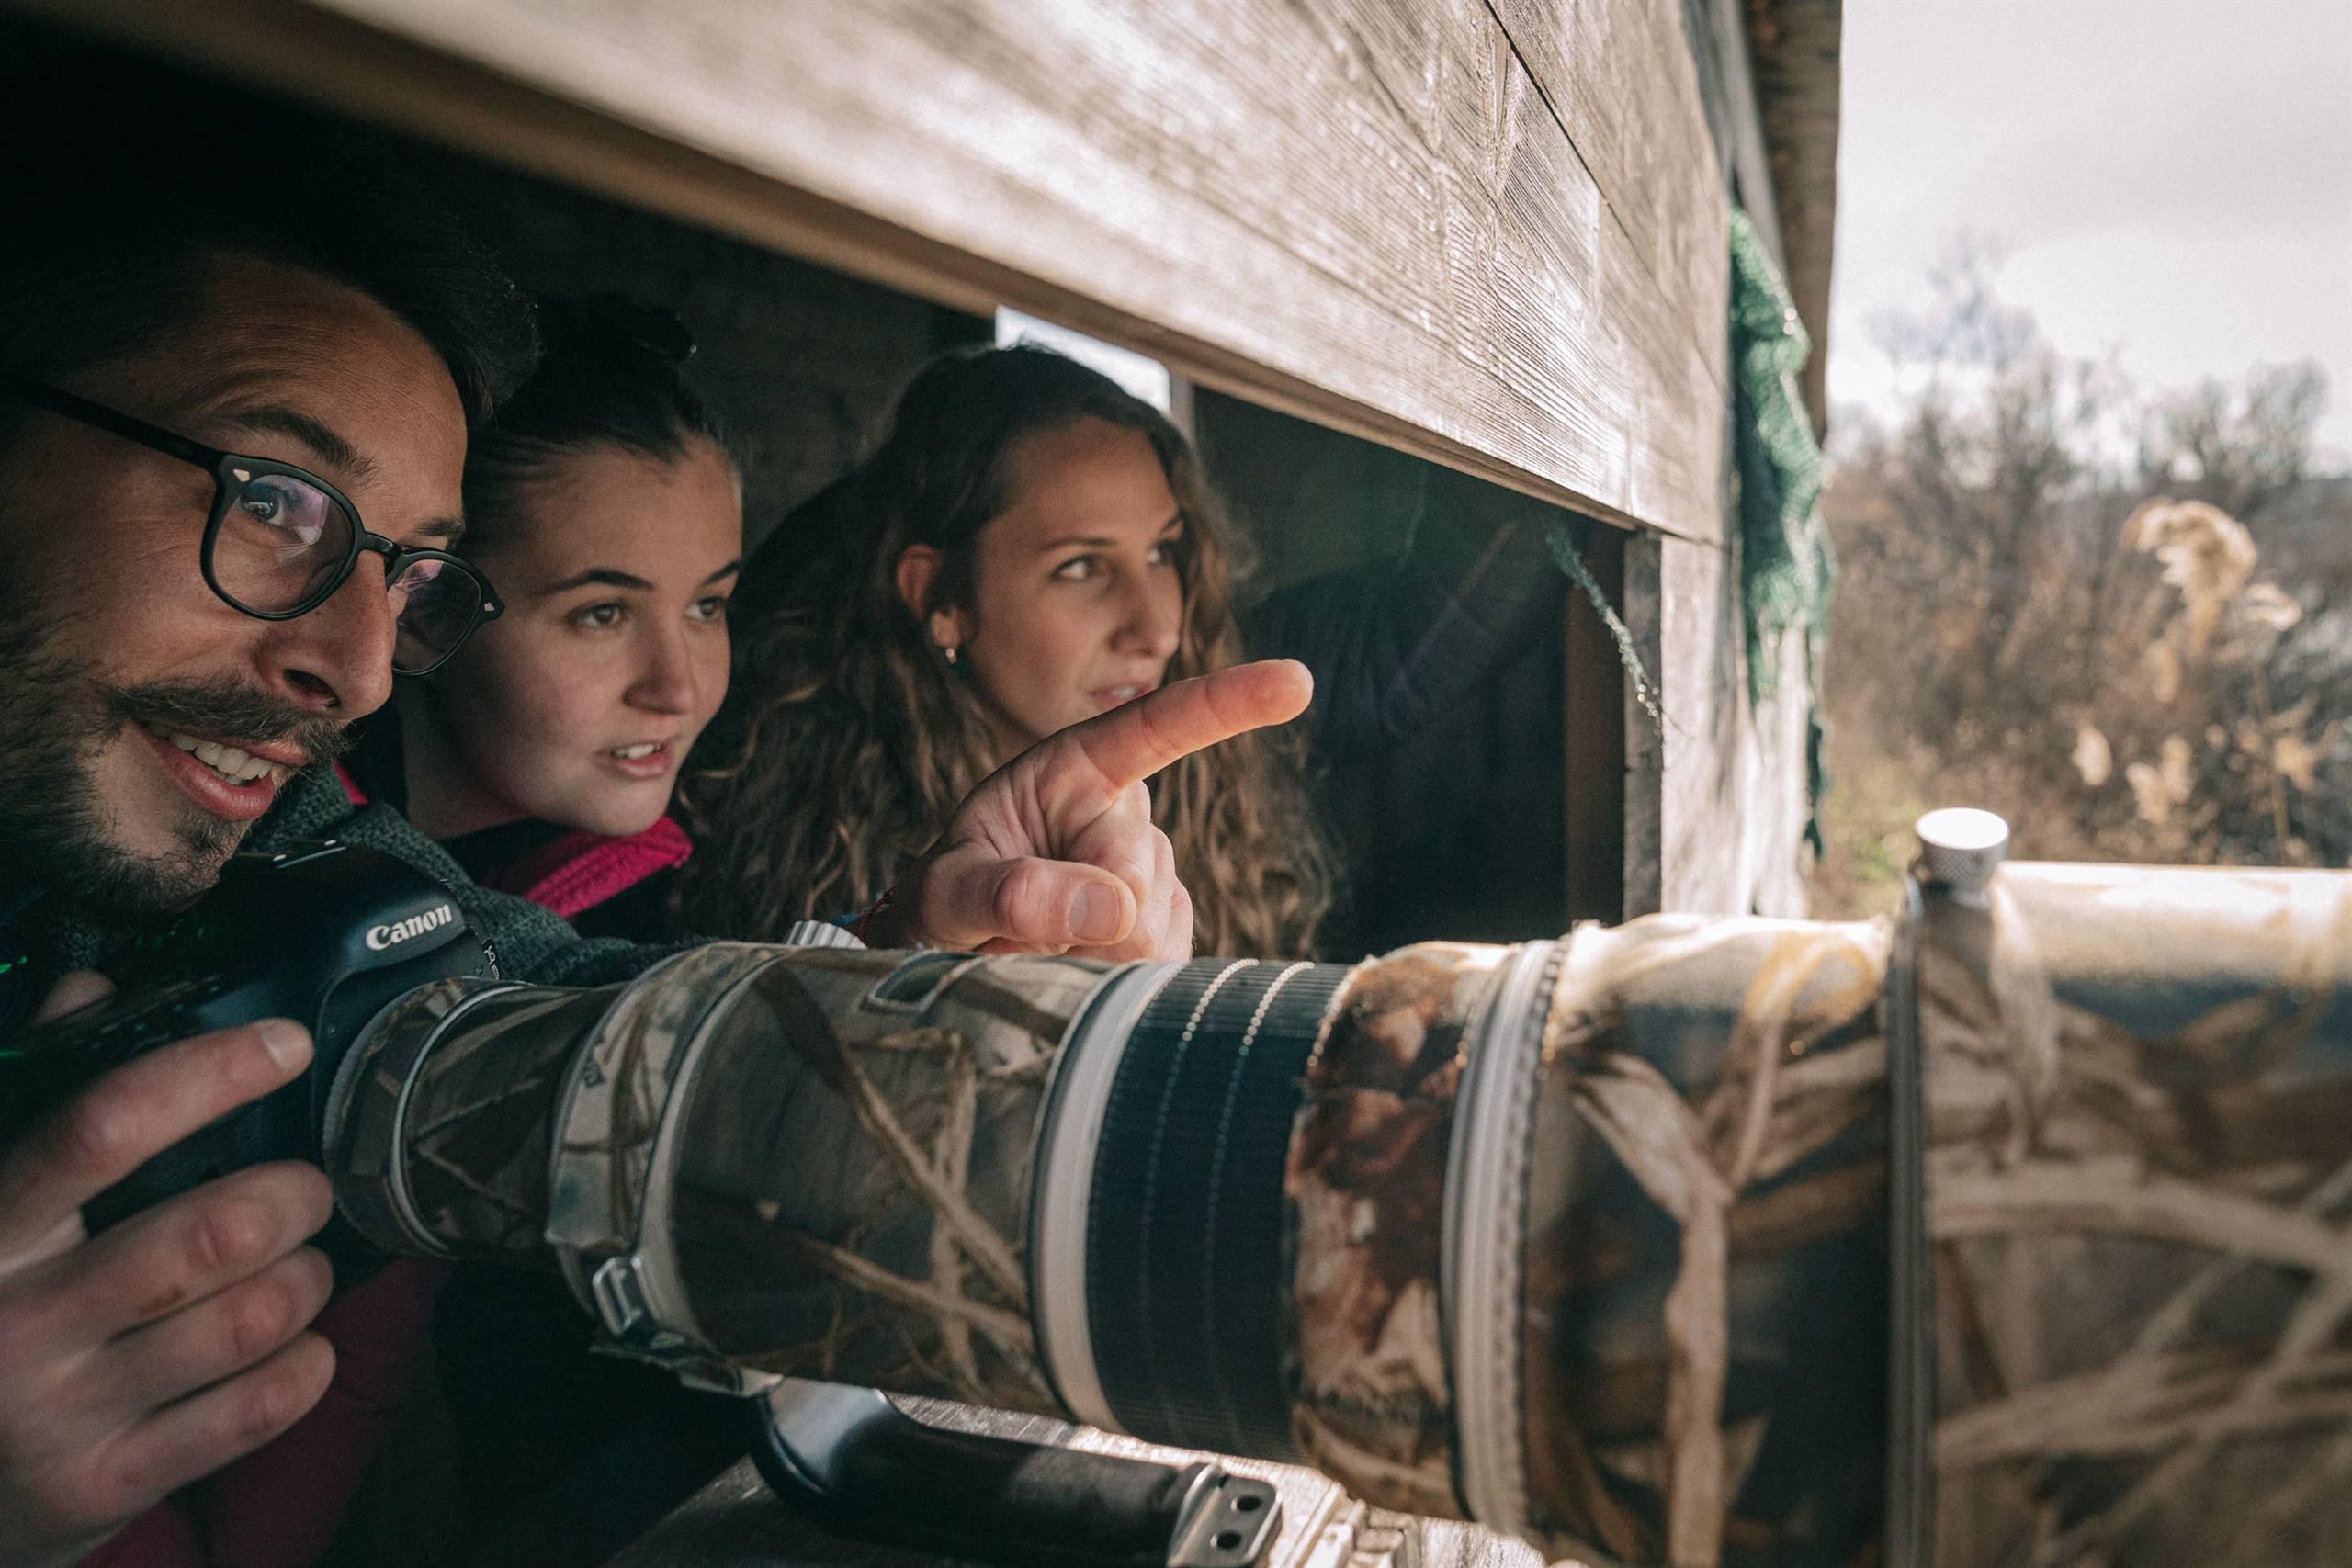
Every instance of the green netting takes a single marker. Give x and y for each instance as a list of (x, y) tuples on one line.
[(1784, 561), (1785, 568)]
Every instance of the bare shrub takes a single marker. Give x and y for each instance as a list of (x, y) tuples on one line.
[(2125, 626)]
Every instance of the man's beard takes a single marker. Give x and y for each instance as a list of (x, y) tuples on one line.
[(57, 718)]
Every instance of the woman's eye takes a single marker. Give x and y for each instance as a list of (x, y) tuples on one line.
[(597, 616), (714, 608), (1077, 568)]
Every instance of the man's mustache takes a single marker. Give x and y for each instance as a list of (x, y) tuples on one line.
[(229, 712)]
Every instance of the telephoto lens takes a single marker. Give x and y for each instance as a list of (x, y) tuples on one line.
[(2008, 1230)]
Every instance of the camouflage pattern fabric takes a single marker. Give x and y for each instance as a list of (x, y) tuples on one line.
[(1366, 1183), (2139, 1184), (2139, 1187)]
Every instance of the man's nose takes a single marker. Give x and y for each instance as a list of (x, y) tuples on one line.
[(338, 658)]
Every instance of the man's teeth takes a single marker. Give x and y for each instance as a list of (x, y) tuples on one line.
[(238, 767), (632, 753)]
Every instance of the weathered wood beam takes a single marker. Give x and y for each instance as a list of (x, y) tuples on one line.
[(1364, 212), (1717, 802), (1619, 77), (1794, 47)]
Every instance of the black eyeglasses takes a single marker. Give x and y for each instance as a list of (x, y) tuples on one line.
[(281, 540)]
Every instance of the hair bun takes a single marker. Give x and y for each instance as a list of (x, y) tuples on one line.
[(614, 327)]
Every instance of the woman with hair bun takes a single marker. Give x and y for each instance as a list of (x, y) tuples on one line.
[(1029, 546), (603, 503)]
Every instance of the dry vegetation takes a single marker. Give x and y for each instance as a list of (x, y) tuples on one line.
[(2125, 625)]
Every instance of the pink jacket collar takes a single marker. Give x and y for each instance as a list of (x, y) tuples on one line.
[(580, 869)]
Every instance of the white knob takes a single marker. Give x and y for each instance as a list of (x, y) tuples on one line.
[(1961, 847)]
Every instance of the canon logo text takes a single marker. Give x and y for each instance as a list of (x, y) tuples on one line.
[(382, 937)]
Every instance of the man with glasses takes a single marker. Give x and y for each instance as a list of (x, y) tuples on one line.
[(280, 540), (236, 378)]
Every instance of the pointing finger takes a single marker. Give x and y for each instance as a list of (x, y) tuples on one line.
[(1133, 742)]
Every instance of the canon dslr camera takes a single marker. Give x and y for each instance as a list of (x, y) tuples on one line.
[(324, 933)]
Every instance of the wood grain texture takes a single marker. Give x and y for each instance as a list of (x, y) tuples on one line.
[(1642, 607), (1361, 211), (1702, 819), (1727, 96), (1728, 775), (1619, 76)]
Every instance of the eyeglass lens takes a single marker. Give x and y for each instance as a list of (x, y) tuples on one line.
[(282, 541), (434, 603)]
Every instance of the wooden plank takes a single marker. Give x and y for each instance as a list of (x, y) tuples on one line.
[(1779, 791), (1594, 733), (1751, 169), (1794, 50), (1643, 609), (1360, 211), (1730, 781), (1620, 78), (1718, 48)]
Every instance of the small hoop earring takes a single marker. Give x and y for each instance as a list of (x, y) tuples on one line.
[(950, 651)]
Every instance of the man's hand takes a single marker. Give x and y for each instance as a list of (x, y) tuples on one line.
[(137, 1361), (1056, 851)]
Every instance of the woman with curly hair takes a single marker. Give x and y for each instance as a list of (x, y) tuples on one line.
[(1030, 545)]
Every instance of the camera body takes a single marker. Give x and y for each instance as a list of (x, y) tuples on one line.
[(321, 932)]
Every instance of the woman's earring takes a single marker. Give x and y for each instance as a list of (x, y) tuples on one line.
[(950, 651)]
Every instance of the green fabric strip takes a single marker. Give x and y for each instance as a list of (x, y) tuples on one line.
[(1785, 564)]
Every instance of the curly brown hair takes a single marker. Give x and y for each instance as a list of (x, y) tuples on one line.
[(848, 742)]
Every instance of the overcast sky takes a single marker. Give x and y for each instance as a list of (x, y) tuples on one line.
[(2170, 179)]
